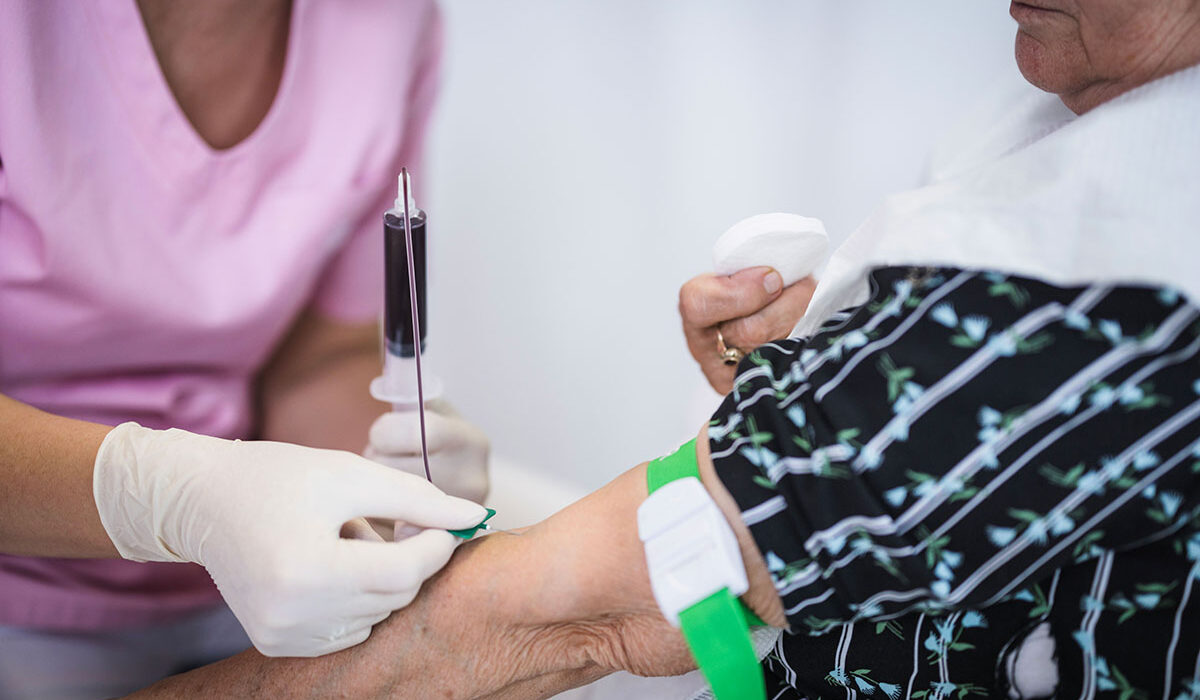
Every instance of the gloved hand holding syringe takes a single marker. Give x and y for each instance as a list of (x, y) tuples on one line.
[(421, 426), (265, 518)]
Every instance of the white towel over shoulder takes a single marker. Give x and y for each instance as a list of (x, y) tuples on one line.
[(1112, 195)]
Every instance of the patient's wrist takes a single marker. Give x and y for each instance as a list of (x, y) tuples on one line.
[(495, 621), (564, 603)]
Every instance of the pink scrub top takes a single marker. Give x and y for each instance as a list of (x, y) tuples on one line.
[(145, 276)]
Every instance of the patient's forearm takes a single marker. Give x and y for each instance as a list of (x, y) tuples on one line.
[(251, 675), (479, 629), (511, 616)]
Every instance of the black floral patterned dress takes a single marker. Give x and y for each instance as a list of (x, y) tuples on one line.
[(968, 467)]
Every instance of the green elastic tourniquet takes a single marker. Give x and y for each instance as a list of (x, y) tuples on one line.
[(723, 658), (678, 465), (469, 532), (716, 628)]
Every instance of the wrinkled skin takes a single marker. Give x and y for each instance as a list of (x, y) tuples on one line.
[(512, 616), (749, 308), (1090, 51), (1084, 51), (569, 601)]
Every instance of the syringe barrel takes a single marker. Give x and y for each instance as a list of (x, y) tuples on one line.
[(398, 383), (397, 316)]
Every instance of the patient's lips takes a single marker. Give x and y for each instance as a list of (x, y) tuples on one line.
[(1035, 11), (1048, 5)]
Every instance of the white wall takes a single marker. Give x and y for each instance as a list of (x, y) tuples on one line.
[(587, 154)]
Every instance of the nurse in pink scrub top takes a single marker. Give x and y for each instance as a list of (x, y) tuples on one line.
[(190, 250)]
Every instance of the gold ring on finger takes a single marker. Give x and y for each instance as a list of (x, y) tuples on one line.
[(728, 354)]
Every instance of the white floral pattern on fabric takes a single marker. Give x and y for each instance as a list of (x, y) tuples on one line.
[(967, 458)]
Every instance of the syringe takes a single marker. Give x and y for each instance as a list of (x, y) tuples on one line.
[(403, 383)]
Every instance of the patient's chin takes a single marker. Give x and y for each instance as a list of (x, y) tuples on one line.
[(1053, 67)]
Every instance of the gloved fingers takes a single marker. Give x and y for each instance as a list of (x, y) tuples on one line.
[(370, 621), (316, 638), (399, 433), (312, 647), (358, 607), (374, 490), (353, 623), (395, 567), (442, 407), (373, 608), (351, 638), (461, 473), (402, 530), (355, 637), (410, 464), (395, 601), (377, 608), (360, 529)]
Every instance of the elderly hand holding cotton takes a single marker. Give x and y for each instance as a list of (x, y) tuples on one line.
[(760, 287)]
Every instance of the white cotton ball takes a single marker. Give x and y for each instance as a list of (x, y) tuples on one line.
[(794, 245)]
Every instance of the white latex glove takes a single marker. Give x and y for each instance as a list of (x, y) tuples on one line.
[(458, 451), (264, 519)]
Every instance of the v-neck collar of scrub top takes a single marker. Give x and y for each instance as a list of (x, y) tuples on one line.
[(152, 105)]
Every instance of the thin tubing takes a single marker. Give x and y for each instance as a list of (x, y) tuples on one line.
[(412, 293)]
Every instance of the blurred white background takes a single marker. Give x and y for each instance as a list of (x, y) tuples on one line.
[(586, 155)]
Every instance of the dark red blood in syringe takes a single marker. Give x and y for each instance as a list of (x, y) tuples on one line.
[(397, 323)]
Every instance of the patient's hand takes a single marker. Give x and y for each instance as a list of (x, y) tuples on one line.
[(749, 308), (511, 616)]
